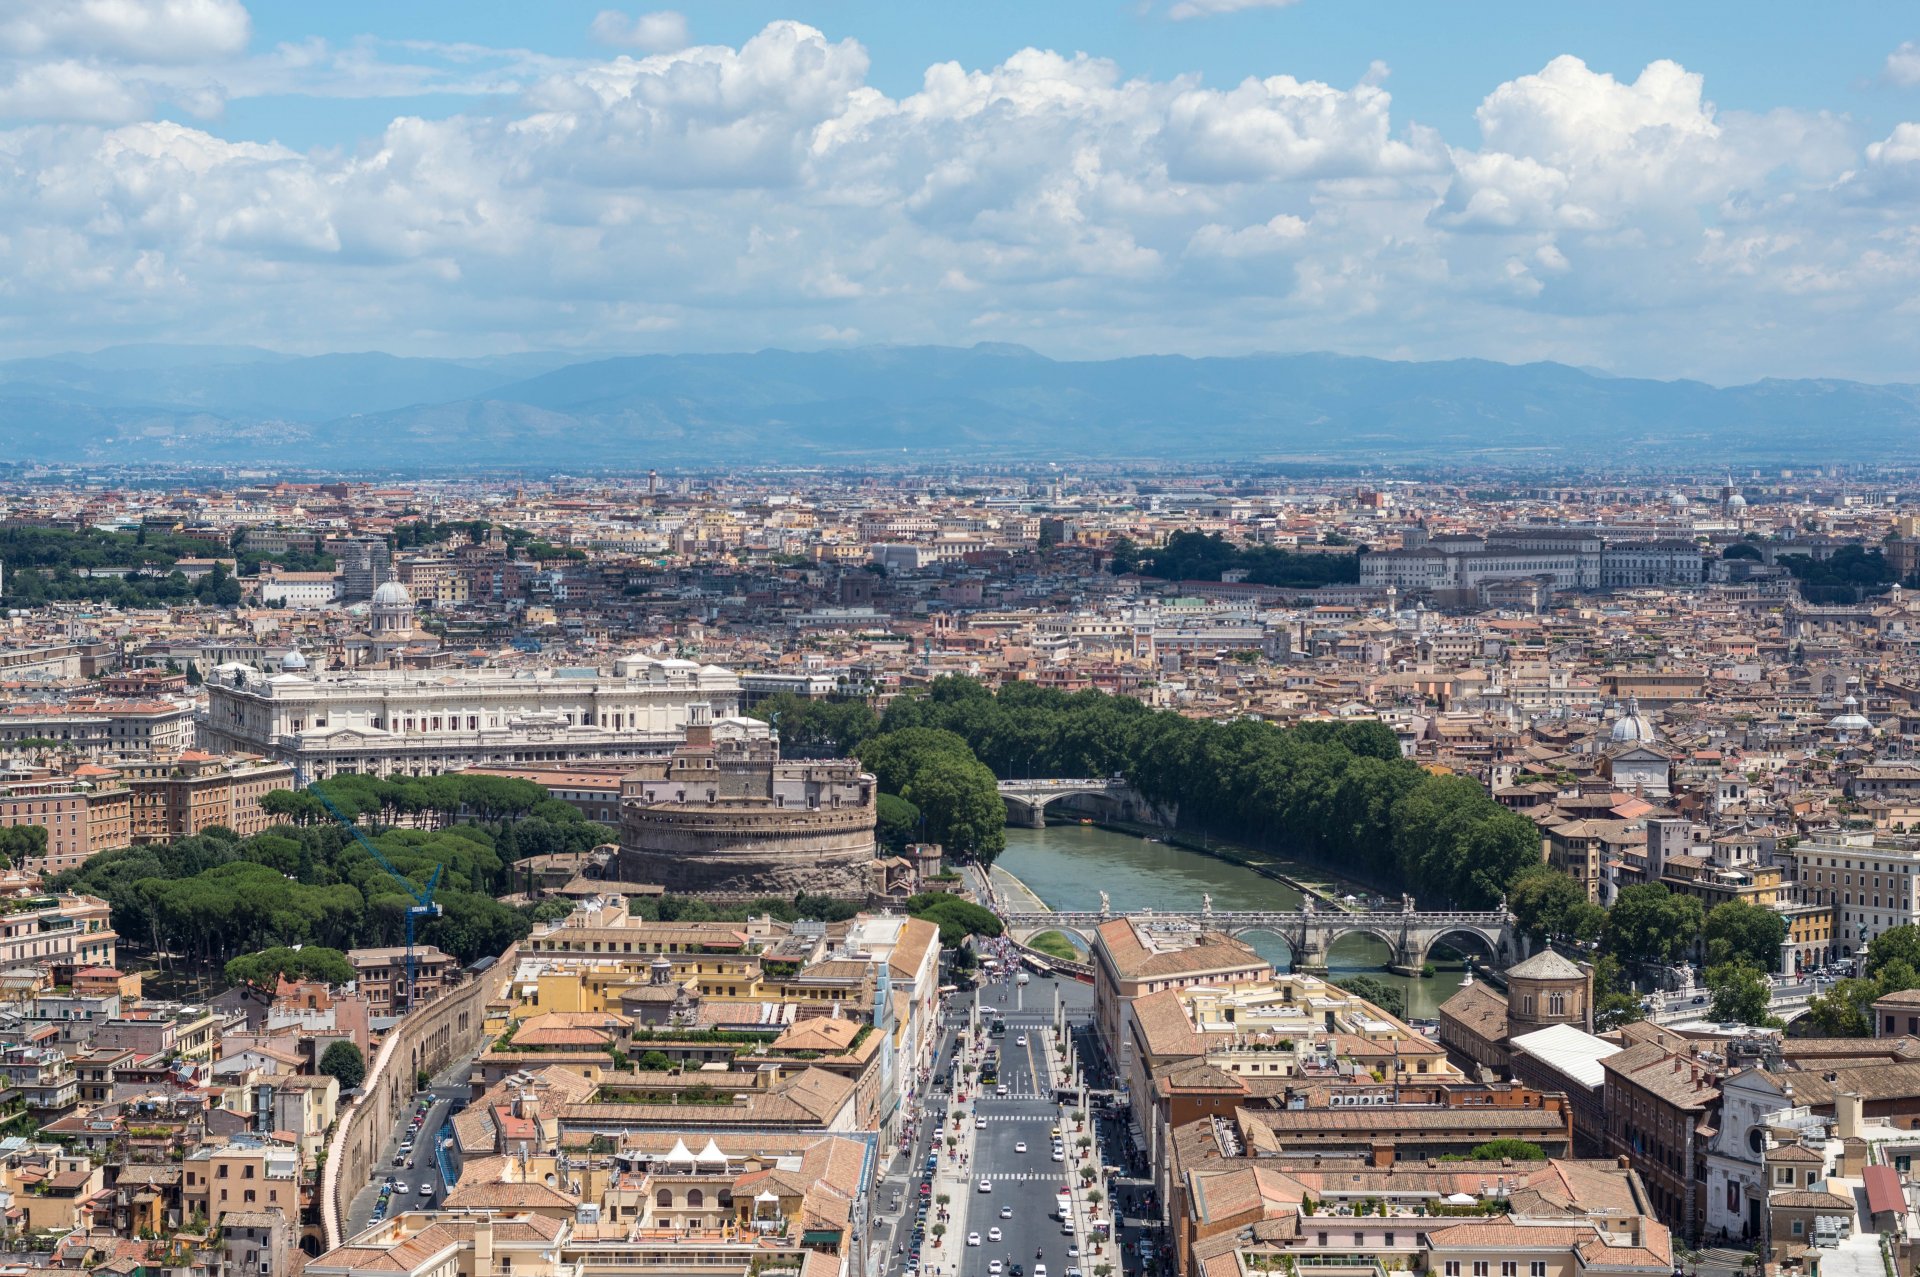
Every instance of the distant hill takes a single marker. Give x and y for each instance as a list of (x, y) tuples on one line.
[(192, 403)]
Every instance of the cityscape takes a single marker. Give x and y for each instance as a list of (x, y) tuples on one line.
[(638, 642)]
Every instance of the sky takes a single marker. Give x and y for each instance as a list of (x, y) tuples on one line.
[(1711, 190)]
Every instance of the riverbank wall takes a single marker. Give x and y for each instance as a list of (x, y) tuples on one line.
[(1234, 854)]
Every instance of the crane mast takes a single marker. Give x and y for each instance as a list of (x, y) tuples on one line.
[(422, 905)]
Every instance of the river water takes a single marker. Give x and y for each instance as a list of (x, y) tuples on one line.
[(1068, 866)]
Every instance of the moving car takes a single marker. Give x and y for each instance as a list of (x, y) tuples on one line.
[(973, 1239), (986, 1186), (993, 1234), (1020, 1146), (1006, 1212), (1021, 1040)]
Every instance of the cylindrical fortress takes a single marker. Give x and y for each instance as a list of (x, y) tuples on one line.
[(748, 846)]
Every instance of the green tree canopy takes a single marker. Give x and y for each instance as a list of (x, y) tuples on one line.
[(1387, 997), (1741, 993), (1648, 923), (1740, 931), (898, 822), (1895, 944), (312, 962), (343, 1062), (1502, 1149)]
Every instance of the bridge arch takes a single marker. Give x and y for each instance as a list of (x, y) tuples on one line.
[(1291, 942), (1493, 948)]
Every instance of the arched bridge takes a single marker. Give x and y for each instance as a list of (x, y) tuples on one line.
[(1311, 932), (1027, 800)]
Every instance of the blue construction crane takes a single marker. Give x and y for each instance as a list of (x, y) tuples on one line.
[(423, 905)]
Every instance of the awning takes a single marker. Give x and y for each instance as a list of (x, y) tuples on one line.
[(1883, 1191)]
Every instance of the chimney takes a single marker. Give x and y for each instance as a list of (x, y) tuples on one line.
[(1847, 1112), (483, 1244)]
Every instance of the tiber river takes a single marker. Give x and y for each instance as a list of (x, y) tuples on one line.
[(1068, 866)]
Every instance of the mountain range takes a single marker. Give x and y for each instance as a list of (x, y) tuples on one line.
[(244, 405)]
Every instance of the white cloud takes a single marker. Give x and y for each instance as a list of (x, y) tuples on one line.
[(160, 31), (1903, 65), (663, 31), (68, 90), (1288, 129), (719, 197), (1186, 9)]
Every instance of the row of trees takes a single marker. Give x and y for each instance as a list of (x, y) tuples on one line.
[(1201, 556), (1338, 790)]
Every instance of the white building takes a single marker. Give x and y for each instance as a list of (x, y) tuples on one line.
[(416, 723), (301, 590)]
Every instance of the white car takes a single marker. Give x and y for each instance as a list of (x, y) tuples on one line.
[(979, 1123), (993, 1234), (1058, 1156), (995, 1268), (1039, 1270), (1021, 1040), (426, 1190), (1073, 1251), (1020, 1147), (986, 1186), (1006, 1212), (973, 1239)]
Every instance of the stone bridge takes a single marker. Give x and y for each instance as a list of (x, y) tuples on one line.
[(1311, 932), (1027, 800)]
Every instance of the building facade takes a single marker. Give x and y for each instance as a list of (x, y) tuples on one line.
[(404, 723)]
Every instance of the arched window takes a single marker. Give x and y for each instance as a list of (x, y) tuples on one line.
[(696, 1198), (663, 1198)]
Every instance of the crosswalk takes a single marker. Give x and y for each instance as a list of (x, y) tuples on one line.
[(1002, 1177), (1039, 1119), (1021, 1094)]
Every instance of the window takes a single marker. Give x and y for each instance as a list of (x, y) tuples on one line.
[(1479, 1268), (696, 1198), (1453, 1266), (1538, 1268), (1799, 1227), (1509, 1268), (663, 1198)]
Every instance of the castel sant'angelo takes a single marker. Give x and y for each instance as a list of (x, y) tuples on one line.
[(725, 813)]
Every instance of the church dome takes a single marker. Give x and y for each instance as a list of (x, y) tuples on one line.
[(1736, 502), (293, 661), (392, 594), (1632, 727), (1850, 719), (1677, 501)]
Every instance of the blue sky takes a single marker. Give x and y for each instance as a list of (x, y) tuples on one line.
[(1712, 190), (1756, 56)]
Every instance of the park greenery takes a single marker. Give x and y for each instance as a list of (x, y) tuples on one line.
[(1848, 575), (136, 569), (216, 897), (1203, 556)]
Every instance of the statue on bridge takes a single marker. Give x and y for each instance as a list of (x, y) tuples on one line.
[(1206, 904), (1106, 905), (1406, 903)]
